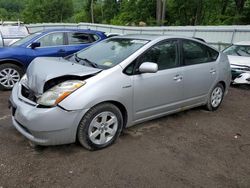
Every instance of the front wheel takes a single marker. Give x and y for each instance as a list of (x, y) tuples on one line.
[(100, 126), (9, 75), (215, 97)]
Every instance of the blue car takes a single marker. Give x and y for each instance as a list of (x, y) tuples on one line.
[(52, 43)]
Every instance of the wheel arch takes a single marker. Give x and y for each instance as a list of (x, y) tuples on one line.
[(223, 84), (13, 61), (122, 109)]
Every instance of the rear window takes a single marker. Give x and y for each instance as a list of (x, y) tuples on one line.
[(213, 54), (196, 53), (94, 37)]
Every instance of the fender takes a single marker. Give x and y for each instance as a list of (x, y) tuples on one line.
[(14, 61)]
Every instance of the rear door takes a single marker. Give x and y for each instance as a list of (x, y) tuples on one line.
[(157, 93), (200, 71), (52, 45), (78, 40)]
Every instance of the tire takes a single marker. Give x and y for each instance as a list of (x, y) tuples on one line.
[(215, 97), (94, 132), (14, 74)]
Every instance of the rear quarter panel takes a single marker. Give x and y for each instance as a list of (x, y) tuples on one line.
[(224, 70)]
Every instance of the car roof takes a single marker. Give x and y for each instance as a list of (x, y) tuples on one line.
[(140, 36), (243, 43), (74, 30), (154, 36)]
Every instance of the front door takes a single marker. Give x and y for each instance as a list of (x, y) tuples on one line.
[(51, 45), (157, 93)]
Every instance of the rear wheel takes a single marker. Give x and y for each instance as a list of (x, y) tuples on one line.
[(216, 97), (100, 126), (9, 75)]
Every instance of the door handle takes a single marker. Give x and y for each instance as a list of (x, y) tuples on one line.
[(212, 71), (178, 78)]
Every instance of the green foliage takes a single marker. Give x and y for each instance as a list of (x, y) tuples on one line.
[(110, 10), (3, 13), (134, 11), (128, 12), (11, 10), (47, 11)]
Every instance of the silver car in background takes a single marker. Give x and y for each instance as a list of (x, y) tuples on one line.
[(94, 94)]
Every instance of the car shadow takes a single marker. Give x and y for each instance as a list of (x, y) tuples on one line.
[(241, 86), (128, 133)]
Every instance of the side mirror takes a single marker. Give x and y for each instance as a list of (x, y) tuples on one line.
[(148, 67), (35, 45)]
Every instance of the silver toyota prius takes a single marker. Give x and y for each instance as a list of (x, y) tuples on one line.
[(92, 95)]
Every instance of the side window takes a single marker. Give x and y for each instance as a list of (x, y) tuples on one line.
[(130, 69), (94, 37), (195, 53), (213, 54), (53, 39), (165, 54), (78, 38)]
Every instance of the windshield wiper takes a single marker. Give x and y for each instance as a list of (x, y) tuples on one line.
[(86, 60)]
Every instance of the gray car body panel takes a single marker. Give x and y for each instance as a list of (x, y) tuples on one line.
[(53, 67), (144, 96), (43, 125)]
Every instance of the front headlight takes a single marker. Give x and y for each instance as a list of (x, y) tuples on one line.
[(59, 92), (24, 79)]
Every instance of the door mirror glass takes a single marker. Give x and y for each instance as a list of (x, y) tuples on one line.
[(148, 67), (35, 45)]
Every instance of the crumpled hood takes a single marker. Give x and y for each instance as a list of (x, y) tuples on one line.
[(43, 69), (239, 60)]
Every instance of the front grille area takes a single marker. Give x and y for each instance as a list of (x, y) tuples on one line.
[(243, 69), (27, 93)]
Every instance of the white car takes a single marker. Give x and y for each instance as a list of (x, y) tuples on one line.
[(12, 33), (239, 58)]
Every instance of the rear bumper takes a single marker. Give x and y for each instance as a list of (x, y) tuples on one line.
[(44, 126)]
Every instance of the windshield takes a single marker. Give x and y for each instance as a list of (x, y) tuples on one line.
[(237, 50), (25, 39), (111, 51)]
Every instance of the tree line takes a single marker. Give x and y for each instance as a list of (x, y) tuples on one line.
[(129, 12)]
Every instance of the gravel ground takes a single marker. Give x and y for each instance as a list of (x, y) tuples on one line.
[(194, 148)]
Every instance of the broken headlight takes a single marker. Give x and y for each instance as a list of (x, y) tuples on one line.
[(59, 92)]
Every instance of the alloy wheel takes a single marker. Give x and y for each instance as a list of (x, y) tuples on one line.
[(8, 77), (103, 128), (216, 97)]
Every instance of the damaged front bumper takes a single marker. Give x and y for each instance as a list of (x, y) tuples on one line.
[(43, 126), (240, 74)]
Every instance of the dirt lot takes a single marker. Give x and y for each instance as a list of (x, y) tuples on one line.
[(195, 148)]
